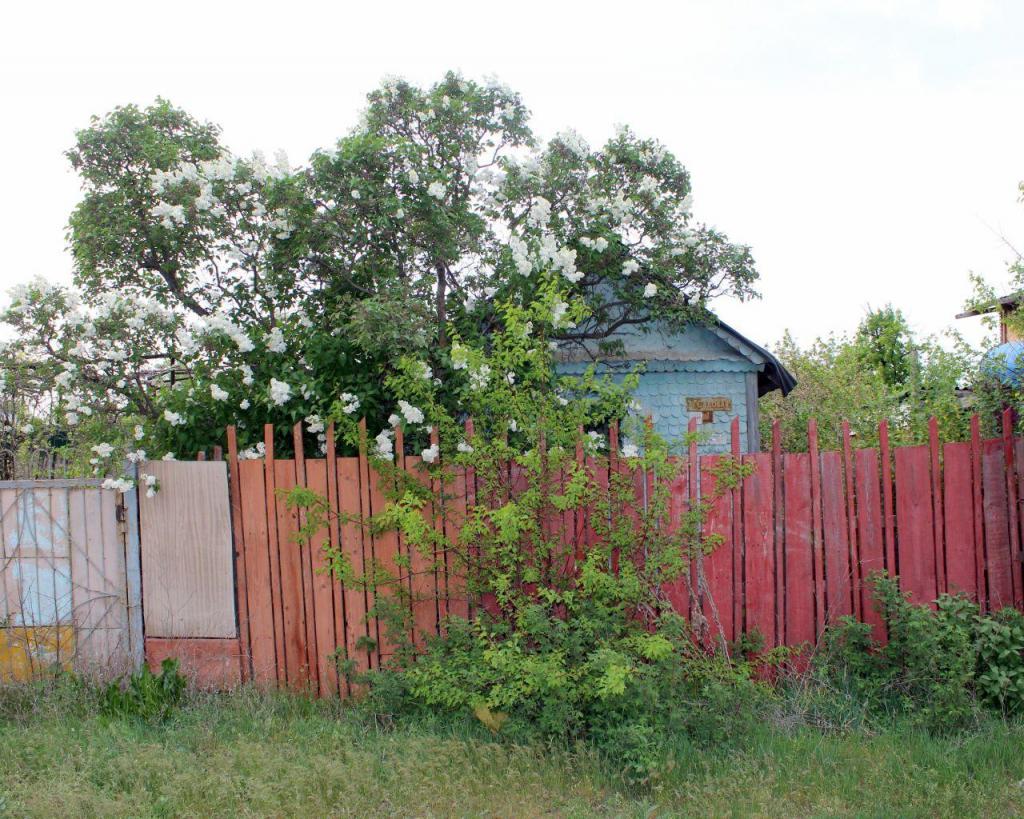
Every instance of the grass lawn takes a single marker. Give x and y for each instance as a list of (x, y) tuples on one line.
[(252, 755)]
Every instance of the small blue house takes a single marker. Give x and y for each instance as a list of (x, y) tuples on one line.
[(708, 371)]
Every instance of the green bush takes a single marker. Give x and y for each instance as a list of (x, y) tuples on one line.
[(572, 638), (939, 665), (145, 695)]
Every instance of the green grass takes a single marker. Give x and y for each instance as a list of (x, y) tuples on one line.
[(252, 755)]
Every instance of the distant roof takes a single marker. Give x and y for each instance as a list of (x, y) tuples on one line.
[(1012, 300), (660, 345)]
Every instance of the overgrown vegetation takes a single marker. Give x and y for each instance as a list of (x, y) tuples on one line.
[(145, 695), (939, 666), (248, 754), (882, 372)]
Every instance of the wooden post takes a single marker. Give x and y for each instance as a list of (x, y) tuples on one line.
[(979, 513), (373, 629), (739, 586), (938, 527), (270, 482), (1009, 459), (778, 510), (334, 538), (816, 533), (851, 522), (440, 561), (241, 574), (888, 516), (696, 599), (306, 555), (133, 572)]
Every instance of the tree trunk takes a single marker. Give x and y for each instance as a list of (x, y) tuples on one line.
[(440, 304)]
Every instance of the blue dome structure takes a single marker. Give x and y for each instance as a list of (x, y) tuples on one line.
[(1005, 363)]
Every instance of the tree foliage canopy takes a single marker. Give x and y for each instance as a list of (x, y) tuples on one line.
[(213, 289)]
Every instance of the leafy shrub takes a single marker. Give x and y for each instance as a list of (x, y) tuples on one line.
[(145, 695), (572, 637), (939, 665)]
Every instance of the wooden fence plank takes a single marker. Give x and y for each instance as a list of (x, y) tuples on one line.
[(871, 540), (1012, 508), (978, 503), (818, 550), (779, 533), (334, 541), (422, 569), (799, 619), (238, 544), (758, 547), (676, 592), (323, 589), (838, 581), (306, 561), (351, 534), (888, 508), (998, 562), (385, 552), (274, 553), (914, 517), (262, 632), (938, 520), (851, 521), (718, 566), (961, 572), (292, 597)]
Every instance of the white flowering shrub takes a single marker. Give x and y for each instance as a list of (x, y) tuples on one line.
[(213, 289)]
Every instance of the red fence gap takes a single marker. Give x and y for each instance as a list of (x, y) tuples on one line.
[(801, 535)]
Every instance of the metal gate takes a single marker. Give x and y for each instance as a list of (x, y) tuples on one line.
[(70, 594)]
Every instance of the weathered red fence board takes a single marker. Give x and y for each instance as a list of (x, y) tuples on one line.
[(718, 566), (959, 519), (799, 555), (915, 524), (838, 588), (759, 548), (997, 525), (798, 540), (871, 542)]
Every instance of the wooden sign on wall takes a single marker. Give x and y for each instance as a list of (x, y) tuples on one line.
[(709, 406)]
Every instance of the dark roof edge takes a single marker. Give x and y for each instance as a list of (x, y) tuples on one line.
[(1012, 300), (774, 376)]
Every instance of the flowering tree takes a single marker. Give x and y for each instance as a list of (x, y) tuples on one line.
[(213, 289)]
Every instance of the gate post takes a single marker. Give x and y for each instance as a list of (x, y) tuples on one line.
[(133, 572)]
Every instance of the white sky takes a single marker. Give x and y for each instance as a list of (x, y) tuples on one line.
[(869, 151)]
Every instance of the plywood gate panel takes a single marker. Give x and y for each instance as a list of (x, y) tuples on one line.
[(187, 567)]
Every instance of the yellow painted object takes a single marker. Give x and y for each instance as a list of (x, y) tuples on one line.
[(27, 652)]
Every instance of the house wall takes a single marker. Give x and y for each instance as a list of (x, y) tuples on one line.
[(663, 395), (696, 363)]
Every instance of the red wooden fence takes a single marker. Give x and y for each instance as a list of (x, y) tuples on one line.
[(801, 535)]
